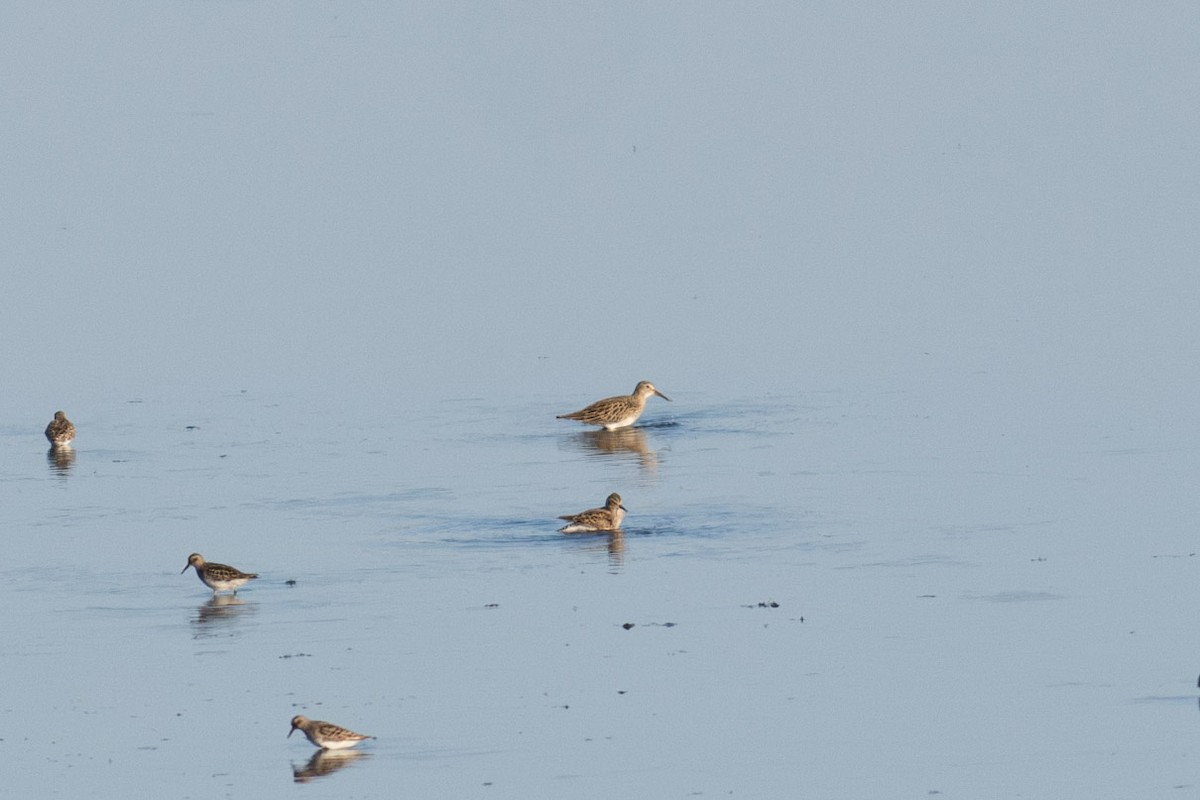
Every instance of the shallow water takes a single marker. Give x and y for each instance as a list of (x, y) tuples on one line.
[(313, 283), (784, 609)]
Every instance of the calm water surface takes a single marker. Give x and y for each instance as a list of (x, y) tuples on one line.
[(807, 593), (313, 281)]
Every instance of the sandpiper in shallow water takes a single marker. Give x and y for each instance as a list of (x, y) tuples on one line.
[(61, 430), (596, 519), (617, 412), (218, 577), (325, 734)]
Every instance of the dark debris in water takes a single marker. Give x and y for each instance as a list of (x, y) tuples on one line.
[(629, 625), (492, 605), (296, 655), (193, 427), (290, 582), (763, 604)]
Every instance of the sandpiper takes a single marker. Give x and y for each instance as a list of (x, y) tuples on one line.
[(218, 577), (596, 519), (61, 430), (617, 412), (326, 735)]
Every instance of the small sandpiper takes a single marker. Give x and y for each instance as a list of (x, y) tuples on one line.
[(326, 735), (596, 519), (617, 412), (61, 430), (218, 577)]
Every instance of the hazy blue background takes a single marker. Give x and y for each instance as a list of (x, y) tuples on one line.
[(386, 199), (920, 278)]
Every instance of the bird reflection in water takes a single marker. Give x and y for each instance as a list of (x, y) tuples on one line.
[(616, 550), (60, 459), (325, 762), (621, 442), (220, 608), (611, 543)]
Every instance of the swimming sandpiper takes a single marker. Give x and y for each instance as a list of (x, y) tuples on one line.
[(61, 430), (218, 577), (596, 519), (617, 412), (326, 735)]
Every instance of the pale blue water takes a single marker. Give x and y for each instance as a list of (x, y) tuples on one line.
[(939, 619), (313, 282)]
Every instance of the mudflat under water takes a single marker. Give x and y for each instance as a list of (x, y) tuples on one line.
[(815, 595)]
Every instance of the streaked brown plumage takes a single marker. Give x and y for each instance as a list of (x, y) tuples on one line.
[(61, 430), (326, 734), (596, 519), (616, 412), (218, 577)]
